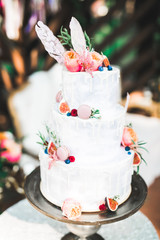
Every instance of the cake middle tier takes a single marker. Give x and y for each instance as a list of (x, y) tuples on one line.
[(92, 139)]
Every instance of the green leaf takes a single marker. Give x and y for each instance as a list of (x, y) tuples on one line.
[(116, 197), (65, 37), (42, 137), (47, 128), (133, 142), (141, 143), (143, 148), (142, 158), (129, 125), (40, 143), (96, 111), (88, 41)]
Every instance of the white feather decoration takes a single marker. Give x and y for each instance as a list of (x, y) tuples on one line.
[(127, 102), (77, 36), (51, 44)]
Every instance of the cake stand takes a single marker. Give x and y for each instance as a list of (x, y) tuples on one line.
[(88, 224)]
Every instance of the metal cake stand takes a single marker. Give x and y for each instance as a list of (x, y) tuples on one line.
[(88, 224)]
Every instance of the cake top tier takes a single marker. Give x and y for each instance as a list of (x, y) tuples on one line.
[(99, 91), (81, 57)]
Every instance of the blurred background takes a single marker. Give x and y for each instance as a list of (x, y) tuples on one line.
[(126, 31)]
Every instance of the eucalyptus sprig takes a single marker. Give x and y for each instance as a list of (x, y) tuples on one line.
[(65, 37)]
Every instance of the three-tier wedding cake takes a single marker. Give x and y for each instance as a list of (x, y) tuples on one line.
[(87, 155)]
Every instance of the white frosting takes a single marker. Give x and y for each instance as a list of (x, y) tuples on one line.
[(86, 183), (90, 139), (102, 168), (98, 91)]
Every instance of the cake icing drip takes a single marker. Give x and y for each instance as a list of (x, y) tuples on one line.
[(91, 138), (86, 179), (100, 91)]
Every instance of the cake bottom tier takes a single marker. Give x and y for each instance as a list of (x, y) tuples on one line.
[(88, 185)]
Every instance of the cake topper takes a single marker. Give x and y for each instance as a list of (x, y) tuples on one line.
[(77, 37), (81, 56), (51, 43)]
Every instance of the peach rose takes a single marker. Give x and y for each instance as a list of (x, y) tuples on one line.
[(13, 150), (72, 61), (129, 136), (71, 209), (91, 61), (97, 60)]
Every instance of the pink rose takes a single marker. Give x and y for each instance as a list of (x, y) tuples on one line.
[(129, 136), (71, 209), (13, 150), (72, 61)]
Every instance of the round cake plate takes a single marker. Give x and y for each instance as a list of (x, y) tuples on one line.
[(89, 223)]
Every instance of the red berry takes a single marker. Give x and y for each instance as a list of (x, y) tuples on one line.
[(71, 158), (74, 113), (102, 207)]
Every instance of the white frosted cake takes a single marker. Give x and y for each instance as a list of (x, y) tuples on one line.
[(82, 156)]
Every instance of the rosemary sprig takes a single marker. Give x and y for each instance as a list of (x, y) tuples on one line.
[(65, 37), (142, 158), (137, 170), (52, 135), (55, 138), (40, 143), (47, 129), (88, 41), (42, 137), (139, 145)]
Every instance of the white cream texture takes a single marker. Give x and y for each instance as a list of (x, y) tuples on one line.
[(102, 168), (88, 184), (100, 91)]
